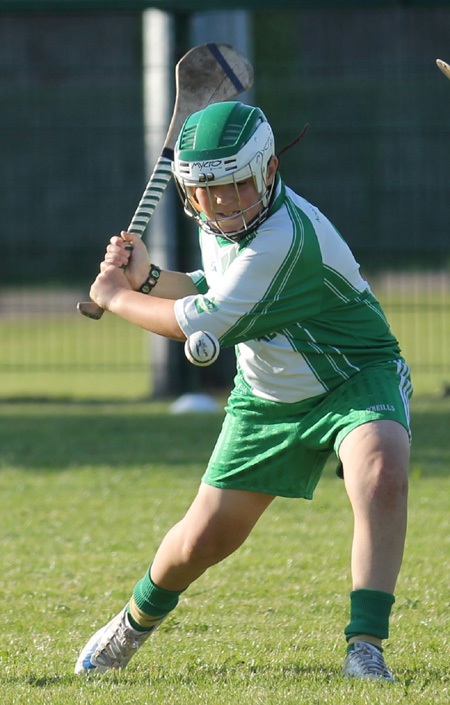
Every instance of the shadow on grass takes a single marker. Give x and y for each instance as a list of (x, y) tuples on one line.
[(49, 681), (229, 672), (66, 437), (56, 437)]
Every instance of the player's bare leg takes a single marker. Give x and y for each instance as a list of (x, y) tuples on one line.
[(375, 459), (216, 524)]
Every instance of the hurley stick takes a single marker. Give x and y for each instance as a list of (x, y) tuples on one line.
[(210, 73)]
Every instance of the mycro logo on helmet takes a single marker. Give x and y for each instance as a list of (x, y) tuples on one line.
[(213, 163)]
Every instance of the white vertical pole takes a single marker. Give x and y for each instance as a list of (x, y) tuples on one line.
[(159, 93), (227, 27), (158, 29)]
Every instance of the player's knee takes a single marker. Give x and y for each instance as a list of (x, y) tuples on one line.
[(388, 481)]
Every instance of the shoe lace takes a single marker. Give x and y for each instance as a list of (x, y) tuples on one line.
[(371, 661), (119, 647)]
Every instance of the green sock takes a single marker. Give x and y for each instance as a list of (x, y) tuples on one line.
[(369, 613), (150, 603)]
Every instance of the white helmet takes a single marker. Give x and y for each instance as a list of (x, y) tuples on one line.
[(226, 143)]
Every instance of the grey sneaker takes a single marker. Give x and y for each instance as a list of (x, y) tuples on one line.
[(366, 661), (112, 646)]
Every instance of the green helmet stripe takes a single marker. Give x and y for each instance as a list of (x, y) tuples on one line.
[(219, 131)]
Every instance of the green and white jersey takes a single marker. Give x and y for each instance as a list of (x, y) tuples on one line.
[(291, 298)]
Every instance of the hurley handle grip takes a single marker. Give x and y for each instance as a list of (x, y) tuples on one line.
[(162, 173)]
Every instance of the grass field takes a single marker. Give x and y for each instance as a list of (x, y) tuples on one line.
[(87, 492)]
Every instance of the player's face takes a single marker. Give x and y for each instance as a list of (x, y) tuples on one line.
[(228, 204)]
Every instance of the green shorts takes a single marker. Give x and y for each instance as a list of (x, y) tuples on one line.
[(281, 449)]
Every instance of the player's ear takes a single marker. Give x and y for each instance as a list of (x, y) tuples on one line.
[(272, 169)]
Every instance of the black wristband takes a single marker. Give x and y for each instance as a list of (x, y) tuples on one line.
[(152, 279)]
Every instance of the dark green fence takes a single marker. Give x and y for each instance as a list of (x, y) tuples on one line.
[(375, 160)]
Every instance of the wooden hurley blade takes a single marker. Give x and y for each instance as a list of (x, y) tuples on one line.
[(445, 68), (209, 73)]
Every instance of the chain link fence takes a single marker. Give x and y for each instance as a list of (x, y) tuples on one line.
[(374, 159)]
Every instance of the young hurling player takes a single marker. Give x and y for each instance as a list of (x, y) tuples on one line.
[(318, 370)]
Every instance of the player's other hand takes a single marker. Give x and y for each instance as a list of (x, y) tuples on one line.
[(129, 252), (111, 282)]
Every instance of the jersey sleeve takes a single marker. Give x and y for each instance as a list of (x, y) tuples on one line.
[(199, 279)]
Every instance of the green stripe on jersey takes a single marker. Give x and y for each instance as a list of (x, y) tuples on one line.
[(199, 280), (294, 291)]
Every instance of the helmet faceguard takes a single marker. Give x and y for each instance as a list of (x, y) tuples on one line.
[(226, 143)]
